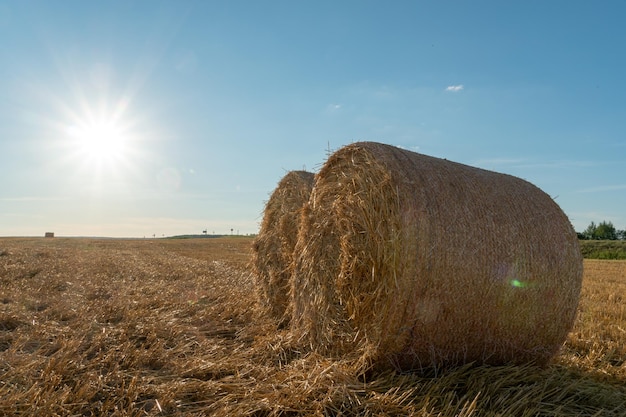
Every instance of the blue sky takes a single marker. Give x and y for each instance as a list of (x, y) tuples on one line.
[(207, 104)]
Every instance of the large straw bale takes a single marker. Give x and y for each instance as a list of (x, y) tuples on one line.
[(410, 261), (273, 246)]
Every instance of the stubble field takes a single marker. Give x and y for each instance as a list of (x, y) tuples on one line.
[(118, 327)]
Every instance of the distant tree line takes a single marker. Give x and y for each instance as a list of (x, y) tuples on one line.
[(602, 231)]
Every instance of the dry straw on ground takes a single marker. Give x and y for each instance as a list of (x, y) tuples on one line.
[(410, 261), (169, 327), (273, 247)]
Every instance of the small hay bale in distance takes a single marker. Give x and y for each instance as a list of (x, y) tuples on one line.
[(273, 246), (409, 261)]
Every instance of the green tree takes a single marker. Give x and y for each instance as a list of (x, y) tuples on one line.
[(603, 231), (590, 231), (606, 231)]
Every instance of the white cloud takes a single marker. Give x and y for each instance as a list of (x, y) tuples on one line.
[(333, 107), (454, 88)]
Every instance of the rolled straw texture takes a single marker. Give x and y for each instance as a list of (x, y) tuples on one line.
[(273, 247), (410, 261)]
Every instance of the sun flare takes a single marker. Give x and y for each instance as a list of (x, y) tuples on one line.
[(103, 142)]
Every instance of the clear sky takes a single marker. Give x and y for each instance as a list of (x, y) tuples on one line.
[(204, 106)]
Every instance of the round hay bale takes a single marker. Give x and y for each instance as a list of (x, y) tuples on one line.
[(411, 261), (273, 247)]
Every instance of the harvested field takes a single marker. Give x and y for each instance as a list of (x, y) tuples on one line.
[(170, 327)]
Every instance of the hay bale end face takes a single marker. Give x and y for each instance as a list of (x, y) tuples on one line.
[(410, 261), (273, 247)]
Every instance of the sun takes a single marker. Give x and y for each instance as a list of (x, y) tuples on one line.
[(102, 142), (99, 141)]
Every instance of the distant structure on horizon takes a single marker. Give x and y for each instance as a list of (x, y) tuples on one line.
[(49, 234)]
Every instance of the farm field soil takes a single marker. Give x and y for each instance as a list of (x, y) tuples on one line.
[(118, 327)]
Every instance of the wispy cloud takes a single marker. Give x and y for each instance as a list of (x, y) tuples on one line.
[(31, 199), (333, 107), (603, 188), (526, 163), (498, 161), (414, 148), (559, 164), (454, 88)]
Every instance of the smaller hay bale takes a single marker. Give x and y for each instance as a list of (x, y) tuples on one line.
[(409, 261), (272, 253)]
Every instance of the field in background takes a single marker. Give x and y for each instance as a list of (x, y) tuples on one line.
[(603, 249), (169, 327)]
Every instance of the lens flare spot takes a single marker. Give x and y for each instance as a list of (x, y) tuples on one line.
[(518, 284)]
